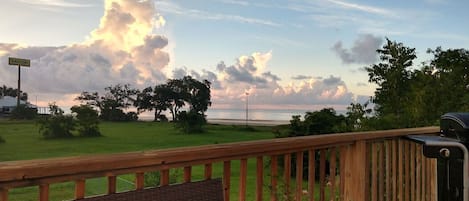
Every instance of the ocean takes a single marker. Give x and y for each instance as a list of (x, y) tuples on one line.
[(253, 114)]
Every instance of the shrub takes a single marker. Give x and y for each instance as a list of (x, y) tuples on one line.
[(56, 125), (24, 112), (87, 120), (191, 122), (152, 179)]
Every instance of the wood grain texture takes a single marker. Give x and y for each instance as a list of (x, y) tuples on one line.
[(299, 175), (187, 174), (3, 194), (44, 192), (79, 189), (34, 172), (111, 184), (226, 180), (356, 172), (322, 174), (242, 179), (139, 180), (259, 178), (273, 178)]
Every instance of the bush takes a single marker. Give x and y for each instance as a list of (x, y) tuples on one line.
[(152, 179), (24, 112), (191, 122), (118, 115), (56, 125), (2, 140), (87, 120)]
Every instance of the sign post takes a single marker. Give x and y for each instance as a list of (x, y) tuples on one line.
[(19, 62)]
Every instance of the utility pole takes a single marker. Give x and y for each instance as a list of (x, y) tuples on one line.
[(247, 109)]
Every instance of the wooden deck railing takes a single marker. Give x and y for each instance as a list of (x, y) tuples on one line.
[(376, 165)]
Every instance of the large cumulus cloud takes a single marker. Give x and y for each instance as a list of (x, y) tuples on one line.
[(121, 50)]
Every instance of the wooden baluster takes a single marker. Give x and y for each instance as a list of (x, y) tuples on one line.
[(111, 184), (332, 171), (139, 180), (412, 172), (407, 170), (44, 192), (299, 175), (343, 154), (187, 174), (3, 194), (287, 173), (273, 178), (381, 181), (374, 173), (226, 180), (164, 177), (388, 151), (433, 177), (423, 176), (400, 178), (322, 175), (394, 170), (356, 172), (418, 171), (259, 178), (80, 189), (311, 173), (208, 171), (242, 179)]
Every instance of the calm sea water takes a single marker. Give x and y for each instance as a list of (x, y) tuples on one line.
[(253, 114)]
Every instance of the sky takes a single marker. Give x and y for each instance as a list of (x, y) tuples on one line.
[(289, 54)]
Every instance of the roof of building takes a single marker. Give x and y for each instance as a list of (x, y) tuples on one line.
[(9, 101)]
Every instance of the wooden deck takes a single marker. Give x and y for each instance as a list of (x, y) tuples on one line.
[(376, 165)]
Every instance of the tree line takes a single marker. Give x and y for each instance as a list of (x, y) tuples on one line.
[(407, 95)]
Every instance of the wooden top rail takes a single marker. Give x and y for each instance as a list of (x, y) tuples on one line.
[(34, 172)]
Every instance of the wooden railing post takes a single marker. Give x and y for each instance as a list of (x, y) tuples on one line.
[(3, 194), (356, 172)]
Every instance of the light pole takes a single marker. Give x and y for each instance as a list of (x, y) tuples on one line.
[(247, 109)]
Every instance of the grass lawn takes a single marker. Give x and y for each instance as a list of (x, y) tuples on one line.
[(23, 142)]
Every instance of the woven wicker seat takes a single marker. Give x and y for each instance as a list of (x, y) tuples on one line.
[(207, 190)]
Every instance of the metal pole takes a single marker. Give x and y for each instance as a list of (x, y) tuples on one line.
[(19, 87), (247, 96)]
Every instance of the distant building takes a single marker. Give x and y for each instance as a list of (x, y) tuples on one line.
[(8, 104)]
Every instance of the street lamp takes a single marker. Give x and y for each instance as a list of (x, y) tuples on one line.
[(247, 110)]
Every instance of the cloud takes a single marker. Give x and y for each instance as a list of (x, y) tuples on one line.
[(363, 8), (363, 50), (301, 77), (54, 3), (173, 8), (121, 50)]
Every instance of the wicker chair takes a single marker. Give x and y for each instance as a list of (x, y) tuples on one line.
[(207, 190)]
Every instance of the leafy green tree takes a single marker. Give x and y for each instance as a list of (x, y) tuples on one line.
[(356, 114), (87, 120), (157, 99), (9, 91), (198, 95), (393, 77), (452, 68), (177, 97), (113, 103)]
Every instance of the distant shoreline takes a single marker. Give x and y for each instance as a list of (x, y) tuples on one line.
[(249, 122)]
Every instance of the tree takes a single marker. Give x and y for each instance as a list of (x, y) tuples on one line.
[(356, 114), (198, 95), (9, 91), (157, 99), (393, 79), (177, 97), (113, 103), (87, 120), (452, 68)]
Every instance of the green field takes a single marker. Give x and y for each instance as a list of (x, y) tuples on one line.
[(23, 142)]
